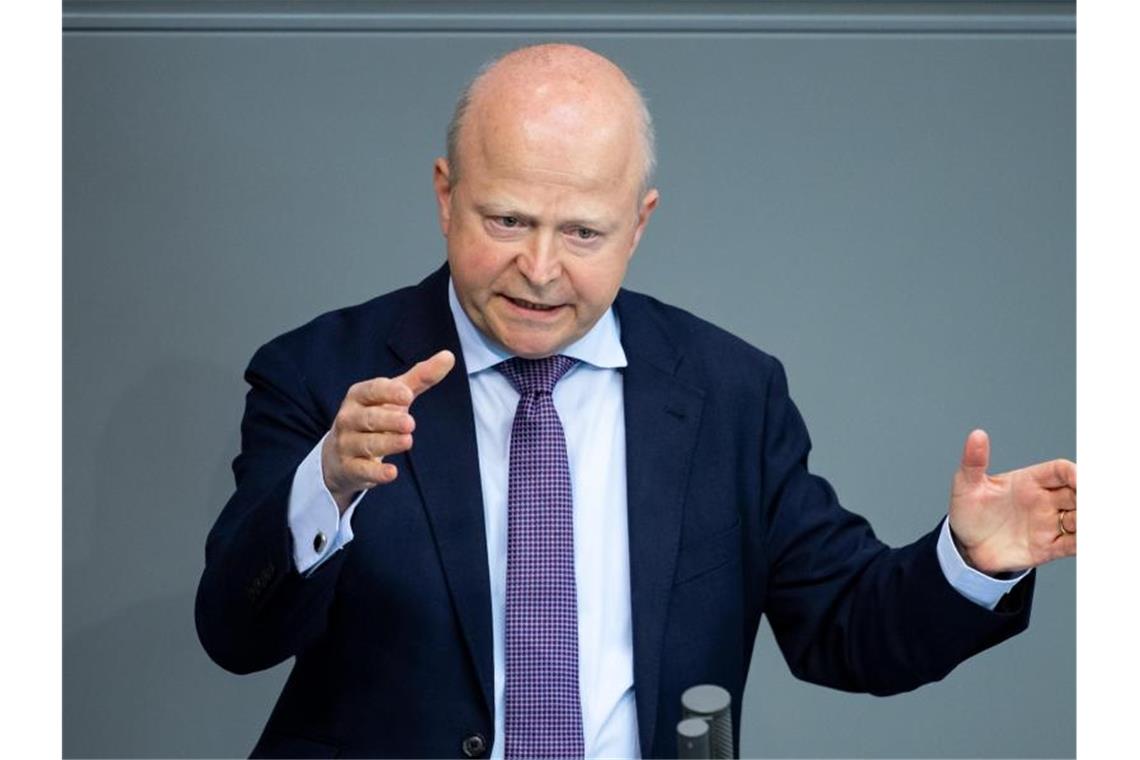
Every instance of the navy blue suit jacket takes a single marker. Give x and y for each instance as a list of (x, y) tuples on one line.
[(392, 635)]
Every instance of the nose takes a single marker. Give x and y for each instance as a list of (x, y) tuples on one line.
[(539, 262)]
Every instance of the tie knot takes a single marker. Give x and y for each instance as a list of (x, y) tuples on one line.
[(536, 375)]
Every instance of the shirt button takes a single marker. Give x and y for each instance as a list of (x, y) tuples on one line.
[(319, 542), (474, 745)]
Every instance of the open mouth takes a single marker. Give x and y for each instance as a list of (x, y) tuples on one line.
[(531, 305)]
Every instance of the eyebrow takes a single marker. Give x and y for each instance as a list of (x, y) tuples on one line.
[(493, 209)]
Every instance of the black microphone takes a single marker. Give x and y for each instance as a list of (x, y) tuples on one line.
[(711, 705)]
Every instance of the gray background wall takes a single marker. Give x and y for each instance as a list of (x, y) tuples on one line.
[(882, 196)]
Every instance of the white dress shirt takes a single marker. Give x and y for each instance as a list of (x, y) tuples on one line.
[(590, 405)]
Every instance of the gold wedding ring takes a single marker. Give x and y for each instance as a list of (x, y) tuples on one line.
[(1061, 523)]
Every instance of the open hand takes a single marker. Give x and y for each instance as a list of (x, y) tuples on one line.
[(1016, 520)]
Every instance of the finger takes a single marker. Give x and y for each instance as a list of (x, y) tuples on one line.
[(1065, 546), (381, 419), (381, 390), (975, 456), (369, 472), (373, 445), (1063, 499), (428, 372), (1060, 473), (1069, 520)]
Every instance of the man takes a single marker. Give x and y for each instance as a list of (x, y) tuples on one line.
[(514, 511)]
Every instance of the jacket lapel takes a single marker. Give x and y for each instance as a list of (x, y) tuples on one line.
[(662, 417), (445, 466)]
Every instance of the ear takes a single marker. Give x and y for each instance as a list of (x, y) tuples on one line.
[(644, 211), (441, 180)]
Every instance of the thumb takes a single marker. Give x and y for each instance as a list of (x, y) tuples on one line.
[(975, 457), (427, 373)]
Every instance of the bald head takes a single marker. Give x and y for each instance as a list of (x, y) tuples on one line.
[(562, 97), (554, 148)]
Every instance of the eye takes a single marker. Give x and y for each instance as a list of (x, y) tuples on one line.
[(504, 224), (585, 233)]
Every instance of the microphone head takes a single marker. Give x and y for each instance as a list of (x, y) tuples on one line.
[(705, 700), (713, 705), (693, 739)]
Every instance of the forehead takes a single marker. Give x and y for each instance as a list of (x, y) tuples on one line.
[(558, 187), (538, 153)]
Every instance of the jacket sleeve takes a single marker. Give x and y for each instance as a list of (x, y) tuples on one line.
[(848, 611), (253, 609)]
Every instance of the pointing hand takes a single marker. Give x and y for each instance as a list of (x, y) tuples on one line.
[(374, 422)]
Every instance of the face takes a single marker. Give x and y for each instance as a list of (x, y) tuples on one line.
[(540, 229)]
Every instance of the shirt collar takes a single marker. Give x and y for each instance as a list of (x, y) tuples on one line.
[(600, 347)]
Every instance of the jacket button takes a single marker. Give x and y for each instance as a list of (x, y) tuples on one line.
[(474, 745)]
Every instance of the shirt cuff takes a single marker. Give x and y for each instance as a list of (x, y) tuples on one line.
[(319, 529), (973, 584)]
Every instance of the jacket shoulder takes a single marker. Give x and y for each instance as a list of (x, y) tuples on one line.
[(329, 338), (706, 350)]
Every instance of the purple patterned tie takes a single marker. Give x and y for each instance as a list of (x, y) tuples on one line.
[(544, 714)]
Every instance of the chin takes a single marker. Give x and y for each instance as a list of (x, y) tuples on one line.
[(532, 351), (533, 347), (532, 343)]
